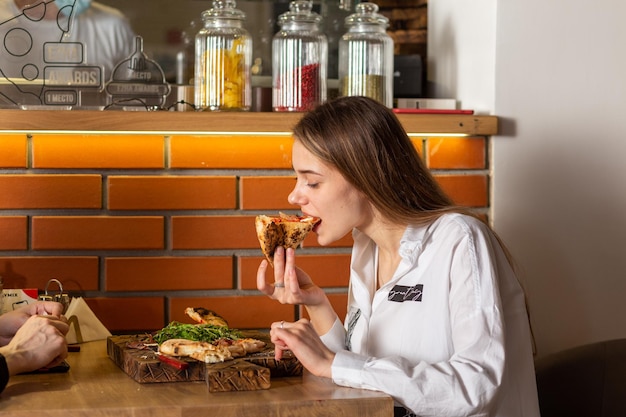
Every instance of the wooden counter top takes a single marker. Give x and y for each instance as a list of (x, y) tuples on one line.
[(95, 387), (204, 122)]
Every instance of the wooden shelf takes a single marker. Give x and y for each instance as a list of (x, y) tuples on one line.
[(166, 122)]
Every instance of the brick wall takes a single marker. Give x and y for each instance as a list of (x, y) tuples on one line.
[(144, 225)]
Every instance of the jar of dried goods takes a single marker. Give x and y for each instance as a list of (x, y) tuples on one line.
[(223, 58), (299, 59), (366, 56)]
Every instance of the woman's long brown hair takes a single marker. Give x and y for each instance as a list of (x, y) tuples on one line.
[(366, 142)]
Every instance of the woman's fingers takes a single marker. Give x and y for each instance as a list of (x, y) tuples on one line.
[(285, 287), (260, 278), (279, 344)]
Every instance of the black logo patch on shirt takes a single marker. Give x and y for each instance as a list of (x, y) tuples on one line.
[(401, 293)]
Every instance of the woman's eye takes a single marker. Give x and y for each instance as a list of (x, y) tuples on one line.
[(312, 185)]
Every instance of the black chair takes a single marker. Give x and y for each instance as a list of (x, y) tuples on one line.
[(585, 381)]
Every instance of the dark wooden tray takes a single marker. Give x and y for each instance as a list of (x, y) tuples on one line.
[(251, 372)]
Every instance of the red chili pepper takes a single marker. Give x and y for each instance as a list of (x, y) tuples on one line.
[(176, 363)]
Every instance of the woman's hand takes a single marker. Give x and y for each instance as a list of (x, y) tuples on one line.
[(291, 284), (300, 337)]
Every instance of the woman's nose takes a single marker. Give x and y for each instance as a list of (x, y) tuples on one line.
[(293, 197)]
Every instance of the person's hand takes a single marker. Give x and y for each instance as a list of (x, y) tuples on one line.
[(300, 337), (11, 321), (291, 284), (39, 342), (43, 308)]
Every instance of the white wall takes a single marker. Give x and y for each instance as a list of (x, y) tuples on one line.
[(461, 52), (558, 83)]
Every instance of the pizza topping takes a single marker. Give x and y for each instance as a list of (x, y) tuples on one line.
[(283, 230), (208, 343), (198, 332)]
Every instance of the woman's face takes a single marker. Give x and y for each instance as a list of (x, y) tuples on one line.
[(323, 192)]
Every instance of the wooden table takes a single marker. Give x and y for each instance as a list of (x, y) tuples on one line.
[(95, 387)]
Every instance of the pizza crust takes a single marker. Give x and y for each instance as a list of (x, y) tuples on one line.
[(242, 347)]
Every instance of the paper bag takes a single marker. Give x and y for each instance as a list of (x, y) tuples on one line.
[(12, 299), (84, 325)]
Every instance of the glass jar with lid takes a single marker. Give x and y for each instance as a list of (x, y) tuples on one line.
[(223, 49), (366, 56), (299, 59)]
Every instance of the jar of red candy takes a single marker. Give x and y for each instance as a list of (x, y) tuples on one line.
[(299, 59)]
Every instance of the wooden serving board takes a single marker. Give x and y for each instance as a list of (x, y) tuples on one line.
[(251, 372)]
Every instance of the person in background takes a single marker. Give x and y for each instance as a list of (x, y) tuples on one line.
[(436, 316), (32, 337), (27, 25)]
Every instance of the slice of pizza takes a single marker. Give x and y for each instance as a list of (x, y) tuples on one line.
[(202, 351), (241, 347), (204, 316), (283, 230)]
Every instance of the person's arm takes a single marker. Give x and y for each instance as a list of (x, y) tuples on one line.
[(468, 382), (4, 373), (11, 321), (40, 342), (31, 337)]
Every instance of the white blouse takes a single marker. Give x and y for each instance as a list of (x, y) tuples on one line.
[(448, 335)]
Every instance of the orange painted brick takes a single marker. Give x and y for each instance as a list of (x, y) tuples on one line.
[(50, 191), (76, 273), (169, 274), (329, 270), (231, 151), (213, 232), (456, 153), (84, 232), (339, 302), (419, 145), (266, 193), (13, 233), (129, 314), (98, 151), (241, 312), (171, 193), (14, 151), (465, 190)]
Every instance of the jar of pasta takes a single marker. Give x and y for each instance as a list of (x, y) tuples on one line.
[(223, 49), (299, 59), (366, 56)]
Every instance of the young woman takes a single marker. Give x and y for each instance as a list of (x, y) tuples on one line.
[(436, 316)]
